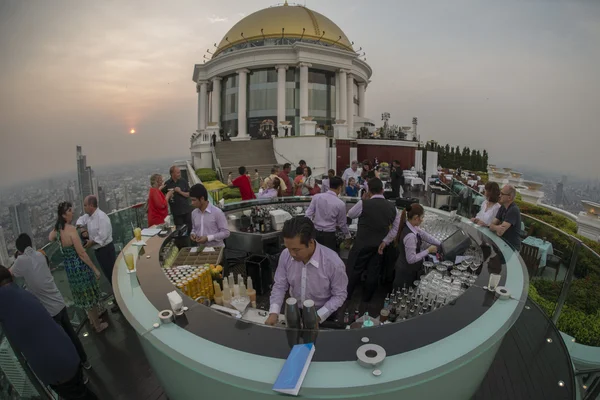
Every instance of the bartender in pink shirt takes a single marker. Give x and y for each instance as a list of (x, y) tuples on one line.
[(209, 225), (309, 271), (328, 213)]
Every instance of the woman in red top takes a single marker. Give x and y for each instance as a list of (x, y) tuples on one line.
[(158, 203), (298, 181)]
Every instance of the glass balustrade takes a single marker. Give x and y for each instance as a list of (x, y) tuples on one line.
[(16, 379), (564, 270), (123, 222)]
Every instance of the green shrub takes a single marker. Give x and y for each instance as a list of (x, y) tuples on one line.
[(585, 328), (231, 193), (206, 174), (233, 200)]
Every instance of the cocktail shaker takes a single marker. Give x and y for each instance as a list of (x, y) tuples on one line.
[(292, 314), (309, 315)]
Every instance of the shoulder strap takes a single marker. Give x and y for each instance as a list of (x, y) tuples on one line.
[(59, 240)]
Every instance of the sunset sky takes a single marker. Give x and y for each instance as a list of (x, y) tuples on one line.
[(517, 78)]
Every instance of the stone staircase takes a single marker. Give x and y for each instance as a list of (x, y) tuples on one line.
[(252, 154)]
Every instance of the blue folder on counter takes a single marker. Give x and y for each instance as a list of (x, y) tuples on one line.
[(292, 374)]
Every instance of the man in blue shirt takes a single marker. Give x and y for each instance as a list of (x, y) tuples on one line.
[(47, 348)]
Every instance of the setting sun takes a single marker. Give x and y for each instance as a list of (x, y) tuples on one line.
[(132, 131)]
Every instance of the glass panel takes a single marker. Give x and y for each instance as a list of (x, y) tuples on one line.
[(290, 75), (555, 250), (580, 316), (14, 380), (262, 99), (290, 98)]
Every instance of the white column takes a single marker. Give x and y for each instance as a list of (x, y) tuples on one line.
[(304, 89), (201, 89), (208, 107), (337, 96), (216, 101), (242, 93), (350, 105), (281, 69), (343, 96), (362, 106)]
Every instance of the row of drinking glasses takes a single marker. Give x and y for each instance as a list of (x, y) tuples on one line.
[(438, 227)]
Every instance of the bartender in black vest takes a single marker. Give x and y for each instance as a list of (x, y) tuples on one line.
[(397, 179), (410, 259), (378, 222)]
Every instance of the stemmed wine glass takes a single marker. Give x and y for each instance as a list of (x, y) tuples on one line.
[(427, 265), (475, 266)]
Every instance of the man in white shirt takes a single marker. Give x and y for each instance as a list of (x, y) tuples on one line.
[(100, 237), (351, 172), (275, 175), (31, 265)]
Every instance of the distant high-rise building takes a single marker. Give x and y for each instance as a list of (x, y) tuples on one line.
[(21, 222), (126, 195), (4, 259), (95, 186), (564, 180), (85, 176), (102, 203), (559, 193), (70, 195)]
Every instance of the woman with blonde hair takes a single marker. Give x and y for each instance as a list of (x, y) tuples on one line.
[(410, 239), (273, 189), (158, 203)]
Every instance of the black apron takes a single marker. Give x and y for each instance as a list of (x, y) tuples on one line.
[(407, 273)]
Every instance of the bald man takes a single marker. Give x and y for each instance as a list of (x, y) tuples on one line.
[(180, 202), (507, 223), (100, 237)]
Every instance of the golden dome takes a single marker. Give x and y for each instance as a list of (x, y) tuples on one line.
[(295, 20)]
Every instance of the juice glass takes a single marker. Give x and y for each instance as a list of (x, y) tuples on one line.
[(129, 261), (137, 232)]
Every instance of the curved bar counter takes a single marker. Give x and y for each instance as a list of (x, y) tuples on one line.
[(442, 354)]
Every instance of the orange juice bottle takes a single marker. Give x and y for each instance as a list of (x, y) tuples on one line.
[(186, 286)]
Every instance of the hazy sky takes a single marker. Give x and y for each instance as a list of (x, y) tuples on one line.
[(519, 78)]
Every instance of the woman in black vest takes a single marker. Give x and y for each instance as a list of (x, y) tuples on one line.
[(410, 238)]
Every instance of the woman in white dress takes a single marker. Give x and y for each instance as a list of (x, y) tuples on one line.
[(490, 206)]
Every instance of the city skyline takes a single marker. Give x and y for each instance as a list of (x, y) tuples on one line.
[(496, 76)]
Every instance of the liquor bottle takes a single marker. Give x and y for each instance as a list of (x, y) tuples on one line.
[(226, 294), (231, 280), (402, 312), (346, 317), (261, 219), (392, 317), (218, 293), (356, 315), (243, 292), (251, 292), (386, 302)]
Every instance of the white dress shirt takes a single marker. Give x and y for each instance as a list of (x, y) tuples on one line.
[(350, 173), (98, 227)]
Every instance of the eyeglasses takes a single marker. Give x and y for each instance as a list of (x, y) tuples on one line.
[(504, 194)]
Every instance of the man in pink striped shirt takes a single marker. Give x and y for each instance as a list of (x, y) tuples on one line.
[(309, 271)]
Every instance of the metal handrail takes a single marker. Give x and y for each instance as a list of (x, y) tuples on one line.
[(284, 157), (216, 163)]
